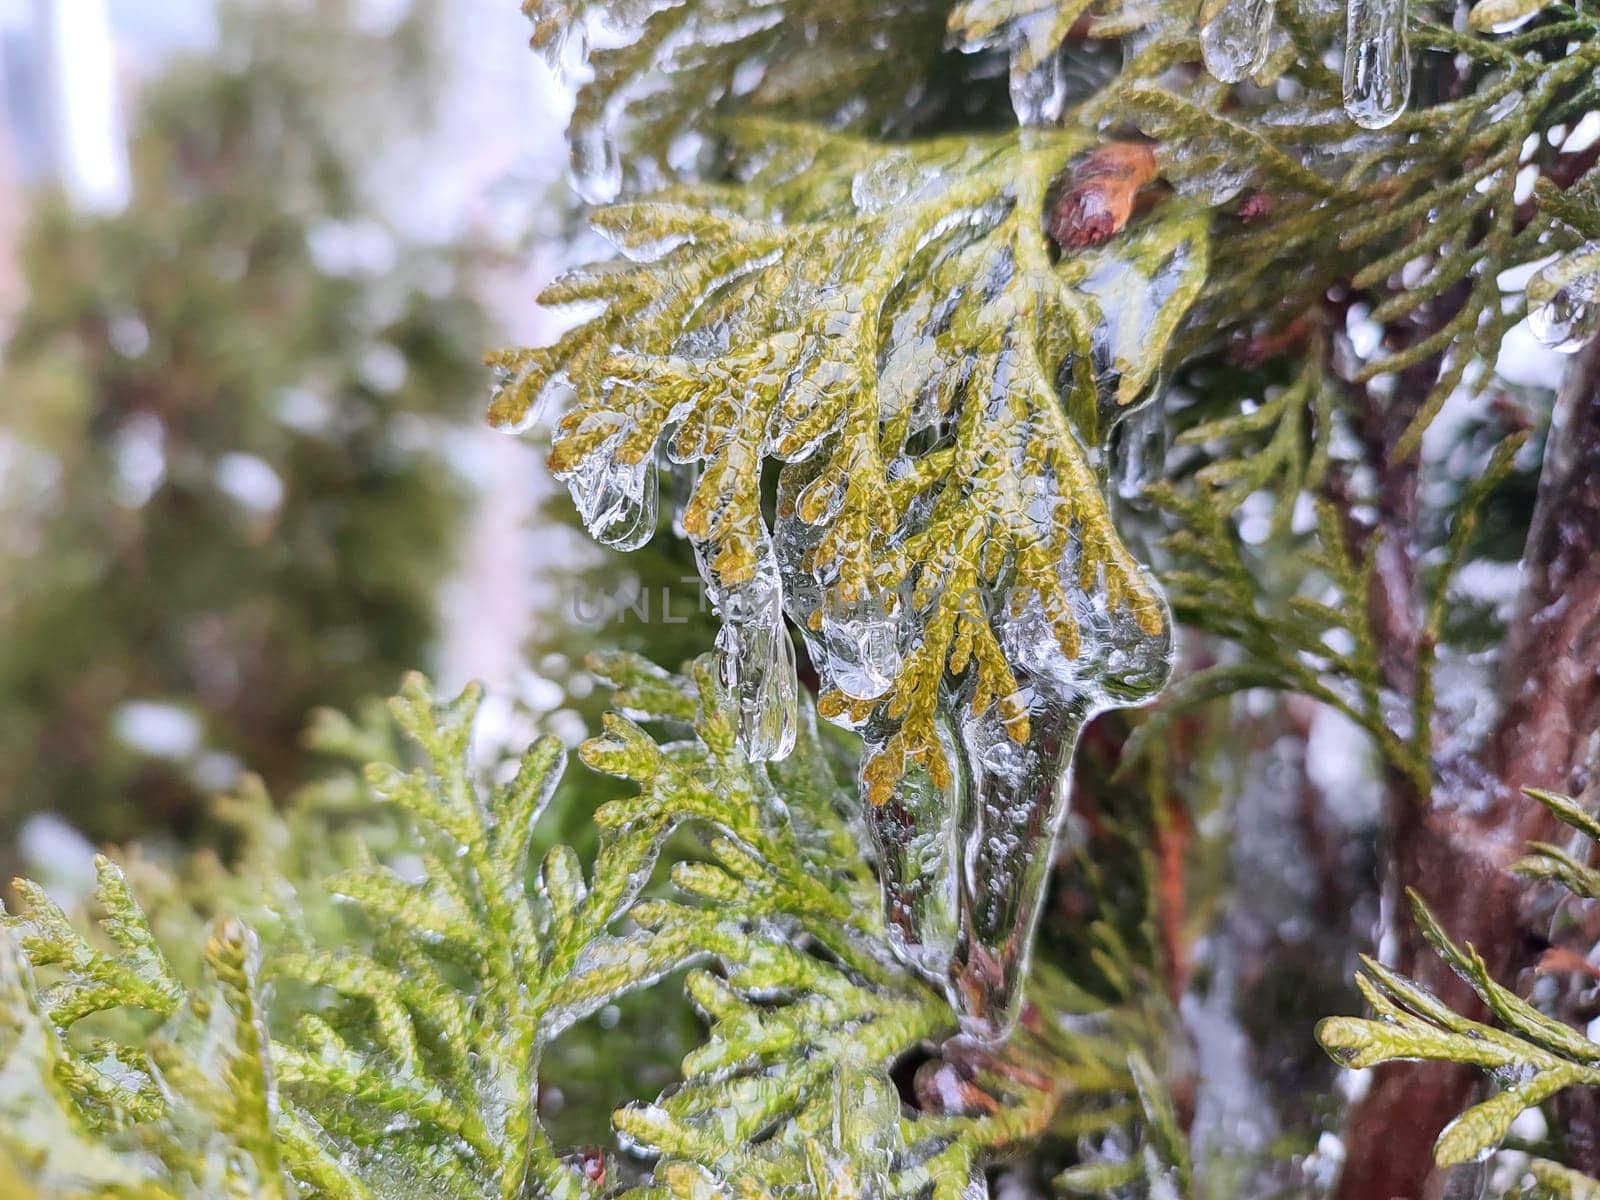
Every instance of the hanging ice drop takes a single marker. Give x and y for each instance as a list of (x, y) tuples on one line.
[(1016, 793), (1017, 797), (1234, 37), (915, 835), (755, 661), (1377, 62), (1038, 77), (616, 503), (861, 643), (1564, 300), (596, 162)]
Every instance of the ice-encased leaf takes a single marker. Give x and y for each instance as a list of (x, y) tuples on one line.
[(908, 363), (940, 386), (411, 1042), (190, 1111), (43, 1130)]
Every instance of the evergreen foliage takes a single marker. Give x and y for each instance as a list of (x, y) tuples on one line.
[(754, 330), (229, 495), (403, 1056), (909, 349)]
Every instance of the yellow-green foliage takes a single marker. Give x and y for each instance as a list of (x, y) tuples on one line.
[(404, 1060), (844, 306), (816, 294)]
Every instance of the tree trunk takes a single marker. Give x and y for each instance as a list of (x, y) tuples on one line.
[(1455, 851)]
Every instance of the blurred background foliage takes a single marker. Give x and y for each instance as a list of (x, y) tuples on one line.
[(227, 412)]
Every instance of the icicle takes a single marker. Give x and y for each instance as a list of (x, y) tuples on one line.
[(1564, 300), (1017, 800), (915, 834), (1017, 794), (1038, 81), (1377, 62), (861, 642), (1234, 37), (596, 163), (755, 661), (617, 504), (1143, 449)]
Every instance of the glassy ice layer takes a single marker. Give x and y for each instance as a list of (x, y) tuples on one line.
[(1377, 62), (1564, 300), (1234, 37), (938, 387)]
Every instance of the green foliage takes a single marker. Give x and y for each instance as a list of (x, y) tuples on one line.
[(793, 308), (202, 337), (1305, 626), (867, 360), (1419, 219), (402, 1055), (1531, 1054)]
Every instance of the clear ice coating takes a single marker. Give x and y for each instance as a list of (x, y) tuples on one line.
[(915, 836), (596, 169), (1234, 37), (755, 662), (861, 643), (965, 866), (1143, 449), (1016, 795), (617, 503), (1377, 62), (941, 537), (1564, 300)]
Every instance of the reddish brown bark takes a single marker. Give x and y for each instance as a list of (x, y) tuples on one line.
[(1455, 850)]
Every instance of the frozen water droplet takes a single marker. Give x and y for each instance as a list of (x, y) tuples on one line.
[(1234, 37), (755, 661), (883, 183), (1037, 92), (915, 835), (1377, 62), (1038, 79), (861, 641), (596, 163), (1564, 300), (616, 503)]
